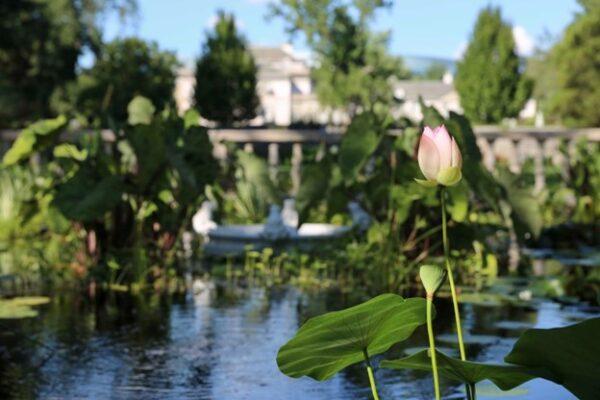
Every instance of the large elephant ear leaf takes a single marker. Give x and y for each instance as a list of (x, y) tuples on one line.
[(327, 344), (314, 186), (140, 111), (358, 144), (34, 138), (480, 180), (87, 196), (148, 144), (571, 354), (504, 376), (525, 210)]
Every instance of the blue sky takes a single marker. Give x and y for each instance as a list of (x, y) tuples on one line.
[(437, 28)]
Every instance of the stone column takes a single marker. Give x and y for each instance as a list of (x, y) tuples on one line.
[(273, 160), (296, 164)]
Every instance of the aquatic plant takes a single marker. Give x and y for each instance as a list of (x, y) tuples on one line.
[(326, 344)]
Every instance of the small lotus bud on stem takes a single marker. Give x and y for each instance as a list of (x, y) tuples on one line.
[(432, 278)]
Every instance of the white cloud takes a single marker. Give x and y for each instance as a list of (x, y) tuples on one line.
[(525, 43), (212, 21), (460, 50)]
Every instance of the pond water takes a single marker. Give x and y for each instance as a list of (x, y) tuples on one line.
[(222, 342)]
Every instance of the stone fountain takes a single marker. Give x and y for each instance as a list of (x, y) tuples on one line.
[(279, 231)]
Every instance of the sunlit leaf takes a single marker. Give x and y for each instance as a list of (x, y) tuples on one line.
[(327, 344), (34, 138), (67, 150), (140, 111)]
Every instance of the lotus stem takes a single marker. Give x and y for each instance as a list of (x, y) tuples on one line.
[(461, 344), (371, 375), (473, 392), (436, 379)]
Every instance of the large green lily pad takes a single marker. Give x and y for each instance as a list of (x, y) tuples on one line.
[(21, 307), (504, 376), (571, 354), (326, 344)]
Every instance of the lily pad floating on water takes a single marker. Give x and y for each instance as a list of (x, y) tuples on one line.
[(571, 355), (481, 340), (485, 299), (513, 325), (21, 307), (504, 376), (326, 344)]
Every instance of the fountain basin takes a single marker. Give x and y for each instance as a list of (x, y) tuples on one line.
[(234, 240)]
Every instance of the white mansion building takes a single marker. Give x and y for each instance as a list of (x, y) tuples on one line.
[(287, 95)]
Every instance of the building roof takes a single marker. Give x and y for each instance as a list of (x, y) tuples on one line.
[(428, 90), (278, 62)]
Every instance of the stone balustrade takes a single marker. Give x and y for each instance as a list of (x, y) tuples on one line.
[(514, 145)]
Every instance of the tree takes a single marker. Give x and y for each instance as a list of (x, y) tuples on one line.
[(40, 43), (354, 70), (576, 61), (226, 76), (124, 69), (489, 78)]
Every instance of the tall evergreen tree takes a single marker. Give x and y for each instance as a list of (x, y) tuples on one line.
[(226, 76), (576, 59), (489, 79)]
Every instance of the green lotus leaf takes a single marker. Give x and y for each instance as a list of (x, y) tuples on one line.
[(571, 355), (326, 344), (504, 376)]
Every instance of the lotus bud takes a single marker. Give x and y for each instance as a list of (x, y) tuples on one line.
[(432, 277), (439, 158)]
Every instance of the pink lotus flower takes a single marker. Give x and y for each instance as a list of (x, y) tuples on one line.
[(439, 157)]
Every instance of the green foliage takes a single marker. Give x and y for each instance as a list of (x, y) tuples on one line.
[(226, 76), (140, 111), (576, 99), (488, 79), (140, 189), (88, 195), (354, 68), (506, 377), (40, 43), (255, 190), (570, 354), (325, 345), (525, 206), (360, 141), (34, 138), (316, 179), (125, 68), (21, 307)]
